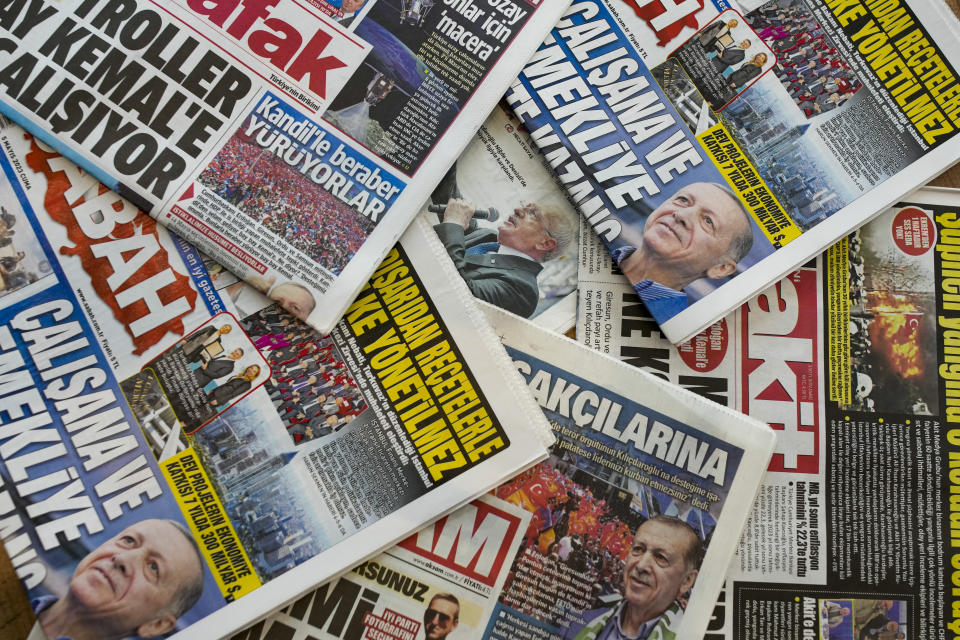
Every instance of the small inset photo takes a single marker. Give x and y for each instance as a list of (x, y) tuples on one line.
[(726, 57), (209, 371), (158, 422), (310, 385), (836, 618), (809, 65), (875, 619), (22, 259)]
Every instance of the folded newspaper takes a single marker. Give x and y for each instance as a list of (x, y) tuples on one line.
[(171, 441), (291, 141), (852, 360), (443, 581), (715, 151), (508, 225), (637, 512)]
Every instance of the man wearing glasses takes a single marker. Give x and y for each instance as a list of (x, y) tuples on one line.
[(501, 266), (441, 617)]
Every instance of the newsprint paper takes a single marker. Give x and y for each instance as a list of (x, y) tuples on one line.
[(171, 441), (714, 163), (512, 201), (291, 140), (852, 360), (442, 581), (637, 511)]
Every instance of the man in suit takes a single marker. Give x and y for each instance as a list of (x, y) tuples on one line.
[(731, 56), (196, 348), (501, 266), (217, 367)]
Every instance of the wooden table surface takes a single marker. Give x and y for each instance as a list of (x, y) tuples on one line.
[(15, 615)]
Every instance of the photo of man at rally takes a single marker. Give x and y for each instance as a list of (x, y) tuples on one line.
[(808, 64), (600, 541), (310, 386), (271, 192)]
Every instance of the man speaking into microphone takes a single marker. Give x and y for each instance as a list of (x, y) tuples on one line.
[(501, 266)]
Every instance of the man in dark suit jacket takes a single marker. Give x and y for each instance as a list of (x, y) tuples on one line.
[(731, 56), (222, 396), (217, 367), (194, 346), (501, 267)]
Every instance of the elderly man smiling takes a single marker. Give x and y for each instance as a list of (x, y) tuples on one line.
[(662, 565), (701, 231), (138, 583), (501, 266)]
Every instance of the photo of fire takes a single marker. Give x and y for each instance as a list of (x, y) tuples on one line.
[(892, 325)]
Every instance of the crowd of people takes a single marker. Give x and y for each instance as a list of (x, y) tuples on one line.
[(809, 66), (12, 274), (571, 526), (283, 200), (310, 386)]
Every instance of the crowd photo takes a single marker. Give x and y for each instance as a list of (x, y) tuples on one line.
[(271, 192), (311, 387), (818, 79), (592, 537), (21, 258)]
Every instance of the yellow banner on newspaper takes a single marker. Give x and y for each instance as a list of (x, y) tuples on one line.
[(749, 186), (210, 525)]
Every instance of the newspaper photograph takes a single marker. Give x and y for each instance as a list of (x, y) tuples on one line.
[(848, 359), (752, 145), (638, 509), (508, 225), (292, 142), (172, 441), (441, 582)]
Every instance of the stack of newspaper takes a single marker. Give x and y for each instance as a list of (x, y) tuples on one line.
[(250, 410)]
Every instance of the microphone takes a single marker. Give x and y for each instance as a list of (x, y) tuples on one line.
[(491, 214)]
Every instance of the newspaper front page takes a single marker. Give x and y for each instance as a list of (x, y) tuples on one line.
[(745, 145), (442, 581), (510, 228), (172, 441), (848, 359), (637, 511), (292, 141)]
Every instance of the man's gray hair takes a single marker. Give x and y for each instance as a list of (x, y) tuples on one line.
[(562, 225), (693, 555), (741, 243), (189, 593)]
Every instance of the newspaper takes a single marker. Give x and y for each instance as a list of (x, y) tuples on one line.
[(292, 141), (511, 202), (737, 152), (164, 454), (443, 580), (848, 358), (637, 511)]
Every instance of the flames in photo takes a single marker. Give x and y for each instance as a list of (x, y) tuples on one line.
[(892, 327)]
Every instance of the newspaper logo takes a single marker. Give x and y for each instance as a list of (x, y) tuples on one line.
[(473, 541), (667, 18), (780, 381), (119, 248)]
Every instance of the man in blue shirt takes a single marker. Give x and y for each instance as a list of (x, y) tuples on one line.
[(138, 583)]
